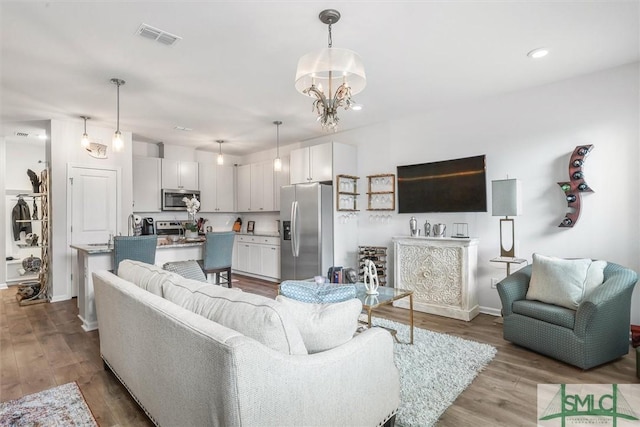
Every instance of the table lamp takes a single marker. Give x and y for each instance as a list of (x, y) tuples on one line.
[(506, 201)]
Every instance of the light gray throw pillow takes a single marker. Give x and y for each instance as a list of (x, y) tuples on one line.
[(324, 326), (563, 282)]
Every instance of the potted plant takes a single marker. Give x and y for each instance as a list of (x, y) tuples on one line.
[(190, 227)]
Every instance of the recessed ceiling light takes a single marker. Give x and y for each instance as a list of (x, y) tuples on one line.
[(538, 53), (182, 128), (356, 107)]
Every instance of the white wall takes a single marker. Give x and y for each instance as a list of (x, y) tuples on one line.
[(66, 150), (528, 135)]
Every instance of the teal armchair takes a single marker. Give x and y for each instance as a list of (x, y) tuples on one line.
[(596, 333)]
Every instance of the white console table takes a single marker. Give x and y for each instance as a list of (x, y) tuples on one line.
[(441, 272)]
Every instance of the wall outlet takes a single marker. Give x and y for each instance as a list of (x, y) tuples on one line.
[(494, 282)]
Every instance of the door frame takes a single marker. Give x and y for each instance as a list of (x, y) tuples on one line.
[(71, 253)]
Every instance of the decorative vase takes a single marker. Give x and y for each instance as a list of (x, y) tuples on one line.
[(413, 226), (188, 234)]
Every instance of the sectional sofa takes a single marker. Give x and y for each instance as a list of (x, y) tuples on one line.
[(196, 354)]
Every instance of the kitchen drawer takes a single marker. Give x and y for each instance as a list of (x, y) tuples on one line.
[(262, 240)]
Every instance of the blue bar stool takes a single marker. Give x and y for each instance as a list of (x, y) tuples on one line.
[(218, 252), (137, 248)]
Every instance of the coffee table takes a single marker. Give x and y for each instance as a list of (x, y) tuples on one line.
[(386, 295)]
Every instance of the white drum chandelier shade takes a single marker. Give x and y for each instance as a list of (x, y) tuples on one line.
[(331, 67), (331, 75)]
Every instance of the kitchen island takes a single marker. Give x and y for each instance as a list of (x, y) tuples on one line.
[(93, 257)]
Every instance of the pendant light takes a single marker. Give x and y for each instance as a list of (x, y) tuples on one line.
[(85, 136), (277, 163), (118, 144), (220, 158)]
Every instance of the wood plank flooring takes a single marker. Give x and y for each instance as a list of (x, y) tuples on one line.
[(43, 345)]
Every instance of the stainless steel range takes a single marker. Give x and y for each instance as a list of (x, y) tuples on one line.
[(168, 228)]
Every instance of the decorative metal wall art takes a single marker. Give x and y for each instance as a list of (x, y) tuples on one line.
[(575, 185)]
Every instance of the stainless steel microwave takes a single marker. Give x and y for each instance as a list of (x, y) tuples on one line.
[(172, 199)]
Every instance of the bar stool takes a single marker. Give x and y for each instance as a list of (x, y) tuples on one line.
[(218, 252), (137, 248)]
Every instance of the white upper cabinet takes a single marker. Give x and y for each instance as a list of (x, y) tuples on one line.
[(216, 187), (299, 165), (179, 174), (256, 183), (262, 184), (146, 184), (244, 188), (225, 188), (312, 164)]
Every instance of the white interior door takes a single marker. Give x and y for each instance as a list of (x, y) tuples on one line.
[(94, 208)]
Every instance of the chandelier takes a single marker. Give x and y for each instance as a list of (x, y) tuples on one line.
[(332, 76)]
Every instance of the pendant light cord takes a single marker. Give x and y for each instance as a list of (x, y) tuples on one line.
[(278, 140), (118, 107)]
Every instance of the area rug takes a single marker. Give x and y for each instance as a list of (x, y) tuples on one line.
[(433, 371), (59, 406)]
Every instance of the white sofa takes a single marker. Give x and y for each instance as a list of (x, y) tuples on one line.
[(248, 368)]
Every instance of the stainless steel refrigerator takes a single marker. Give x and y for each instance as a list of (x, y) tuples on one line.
[(306, 241)]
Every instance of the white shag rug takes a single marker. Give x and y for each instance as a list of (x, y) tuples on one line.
[(433, 371)]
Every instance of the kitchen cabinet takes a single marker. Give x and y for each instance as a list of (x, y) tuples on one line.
[(270, 260), (216, 188), (319, 163), (244, 188), (312, 164), (147, 188), (256, 187), (179, 174), (258, 256), (262, 186)]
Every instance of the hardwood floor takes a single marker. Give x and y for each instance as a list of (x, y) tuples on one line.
[(43, 345)]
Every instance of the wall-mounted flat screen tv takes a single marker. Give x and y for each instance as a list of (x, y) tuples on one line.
[(457, 185)]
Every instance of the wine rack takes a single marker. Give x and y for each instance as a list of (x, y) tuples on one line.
[(347, 194), (381, 193), (576, 185), (377, 254)]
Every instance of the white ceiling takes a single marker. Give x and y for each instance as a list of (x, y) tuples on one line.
[(232, 74)]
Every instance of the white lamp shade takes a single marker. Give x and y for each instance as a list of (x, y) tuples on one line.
[(506, 197), (344, 64)]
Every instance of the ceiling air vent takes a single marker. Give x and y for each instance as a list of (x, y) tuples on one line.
[(23, 134), (149, 32)]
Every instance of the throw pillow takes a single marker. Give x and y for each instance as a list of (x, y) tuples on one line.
[(187, 269), (146, 276), (255, 316), (595, 276), (181, 291), (558, 281), (324, 326), (314, 293)]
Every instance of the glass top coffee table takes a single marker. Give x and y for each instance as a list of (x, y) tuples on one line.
[(386, 295)]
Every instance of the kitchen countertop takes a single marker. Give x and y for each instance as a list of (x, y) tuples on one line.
[(272, 234), (163, 243), (100, 248)]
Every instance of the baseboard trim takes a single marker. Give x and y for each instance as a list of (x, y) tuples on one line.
[(491, 311)]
